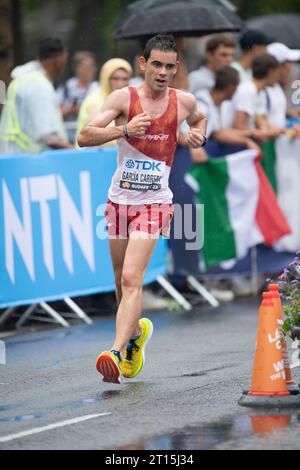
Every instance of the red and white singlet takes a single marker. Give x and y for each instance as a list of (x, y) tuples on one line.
[(144, 163)]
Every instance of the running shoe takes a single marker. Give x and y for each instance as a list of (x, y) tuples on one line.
[(134, 358), (109, 365)]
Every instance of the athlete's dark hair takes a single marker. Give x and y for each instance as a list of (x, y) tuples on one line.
[(225, 77), (50, 47), (161, 42), (262, 65)]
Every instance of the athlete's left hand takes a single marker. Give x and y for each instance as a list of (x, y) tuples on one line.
[(195, 138)]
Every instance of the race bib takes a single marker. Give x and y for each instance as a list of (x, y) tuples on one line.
[(142, 175)]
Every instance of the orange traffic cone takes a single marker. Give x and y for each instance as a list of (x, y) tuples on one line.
[(268, 388), (274, 290), (268, 372)]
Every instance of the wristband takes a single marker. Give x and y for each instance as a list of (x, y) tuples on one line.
[(205, 140), (125, 130)]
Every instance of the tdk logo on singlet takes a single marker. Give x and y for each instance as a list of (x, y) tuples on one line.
[(144, 166), (130, 164)]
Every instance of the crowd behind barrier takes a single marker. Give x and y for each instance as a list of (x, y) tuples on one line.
[(48, 202), (269, 260), (281, 163), (54, 241)]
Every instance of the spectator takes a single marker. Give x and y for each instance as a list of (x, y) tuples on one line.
[(274, 98), (221, 142), (114, 74), (210, 102), (252, 43), (219, 54), (246, 103), (31, 120), (73, 92)]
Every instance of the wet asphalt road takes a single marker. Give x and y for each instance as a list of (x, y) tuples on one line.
[(185, 398)]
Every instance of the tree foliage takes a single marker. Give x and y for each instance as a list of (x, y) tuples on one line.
[(93, 24), (257, 7)]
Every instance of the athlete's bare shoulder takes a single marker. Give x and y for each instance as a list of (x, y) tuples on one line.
[(187, 106), (119, 97), (115, 108), (186, 99)]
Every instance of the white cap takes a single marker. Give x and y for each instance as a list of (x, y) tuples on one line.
[(283, 53)]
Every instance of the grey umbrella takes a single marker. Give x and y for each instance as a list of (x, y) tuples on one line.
[(148, 4), (282, 28), (180, 17)]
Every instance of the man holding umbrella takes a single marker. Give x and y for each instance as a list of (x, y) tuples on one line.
[(140, 201)]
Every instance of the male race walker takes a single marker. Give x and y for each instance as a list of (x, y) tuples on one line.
[(139, 206)]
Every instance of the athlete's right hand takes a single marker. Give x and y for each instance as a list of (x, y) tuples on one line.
[(138, 125)]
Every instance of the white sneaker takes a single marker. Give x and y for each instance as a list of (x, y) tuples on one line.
[(152, 301), (241, 286), (219, 290), (222, 295)]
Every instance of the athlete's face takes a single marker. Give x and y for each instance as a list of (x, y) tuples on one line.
[(159, 69)]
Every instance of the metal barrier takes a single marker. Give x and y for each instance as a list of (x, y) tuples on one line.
[(54, 244)]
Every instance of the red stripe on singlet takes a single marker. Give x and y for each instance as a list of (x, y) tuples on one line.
[(165, 125)]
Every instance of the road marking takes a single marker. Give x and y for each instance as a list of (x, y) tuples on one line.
[(30, 432)]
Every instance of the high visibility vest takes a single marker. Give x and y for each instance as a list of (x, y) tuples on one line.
[(12, 131)]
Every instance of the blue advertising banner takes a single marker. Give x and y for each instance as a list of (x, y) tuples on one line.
[(53, 241)]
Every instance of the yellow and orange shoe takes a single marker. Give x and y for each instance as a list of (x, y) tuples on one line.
[(134, 358), (109, 365)]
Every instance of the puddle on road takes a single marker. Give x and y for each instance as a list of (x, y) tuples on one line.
[(206, 437), (28, 341), (98, 398), (19, 419), (84, 401), (4, 408)]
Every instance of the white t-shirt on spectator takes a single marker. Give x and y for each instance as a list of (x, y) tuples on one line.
[(275, 105), (201, 79), (212, 112), (244, 74), (246, 99), (227, 114)]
